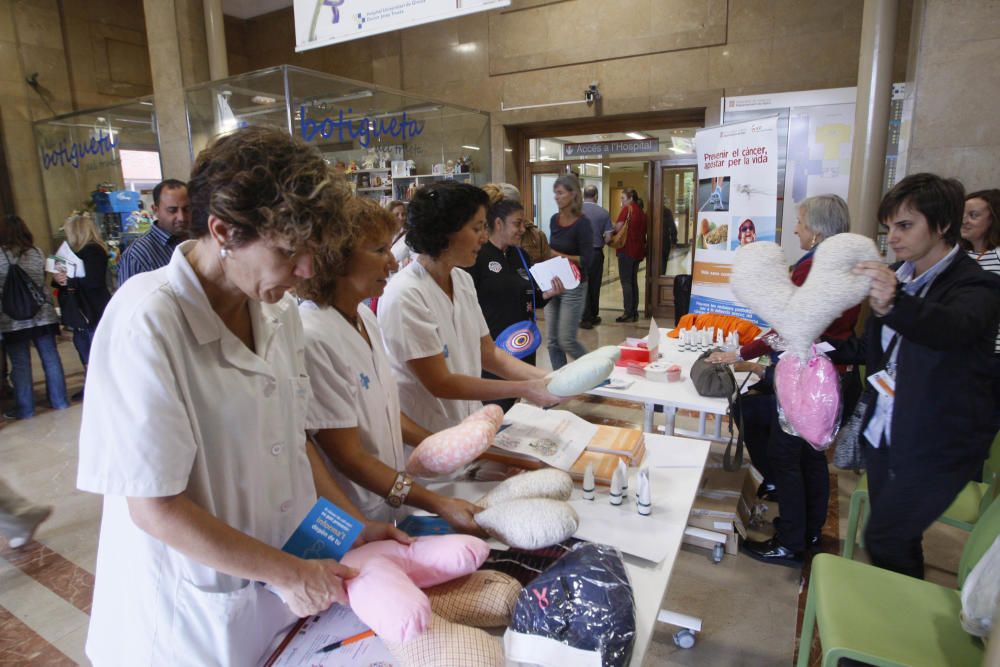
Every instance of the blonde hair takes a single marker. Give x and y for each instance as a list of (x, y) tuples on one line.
[(80, 230)]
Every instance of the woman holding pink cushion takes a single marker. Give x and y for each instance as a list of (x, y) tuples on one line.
[(354, 415)]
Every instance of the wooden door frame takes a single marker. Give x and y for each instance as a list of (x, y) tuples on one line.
[(656, 283)]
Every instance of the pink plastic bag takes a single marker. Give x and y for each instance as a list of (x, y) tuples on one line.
[(808, 398)]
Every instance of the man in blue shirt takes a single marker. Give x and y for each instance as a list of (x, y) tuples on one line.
[(173, 215), (600, 222)]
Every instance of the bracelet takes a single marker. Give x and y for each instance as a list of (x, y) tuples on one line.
[(400, 488)]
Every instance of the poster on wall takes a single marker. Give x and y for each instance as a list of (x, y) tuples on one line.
[(737, 205), (324, 22), (815, 131)]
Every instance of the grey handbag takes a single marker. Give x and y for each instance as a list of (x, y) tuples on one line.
[(717, 381), (848, 450)]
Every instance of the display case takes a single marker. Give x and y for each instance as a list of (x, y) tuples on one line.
[(388, 142), (88, 156)]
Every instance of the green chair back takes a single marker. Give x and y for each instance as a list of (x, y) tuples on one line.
[(992, 467), (980, 540)]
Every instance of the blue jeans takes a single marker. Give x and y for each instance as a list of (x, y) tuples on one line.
[(562, 319), (20, 373), (82, 338)]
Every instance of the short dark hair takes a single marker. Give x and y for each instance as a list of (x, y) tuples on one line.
[(440, 209), (15, 235), (264, 183), (992, 199), (590, 192), (169, 184), (940, 200)]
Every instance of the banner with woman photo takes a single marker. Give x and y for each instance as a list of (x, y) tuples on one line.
[(737, 205)]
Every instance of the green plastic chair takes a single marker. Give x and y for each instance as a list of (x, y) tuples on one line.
[(889, 619), (964, 511)]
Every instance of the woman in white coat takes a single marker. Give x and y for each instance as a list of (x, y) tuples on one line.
[(434, 330), (355, 416), (194, 424)]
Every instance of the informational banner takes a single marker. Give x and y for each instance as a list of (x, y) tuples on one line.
[(737, 205), (323, 22), (815, 131), (598, 148)]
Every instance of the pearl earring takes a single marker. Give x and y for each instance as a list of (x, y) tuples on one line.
[(224, 253)]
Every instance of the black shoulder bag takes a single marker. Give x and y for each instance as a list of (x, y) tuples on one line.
[(718, 381)]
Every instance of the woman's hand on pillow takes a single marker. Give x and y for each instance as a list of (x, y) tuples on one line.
[(380, 530), (315, 585), (882, 293), (460, 515), (537, 392), (557, 289), (721, 357)]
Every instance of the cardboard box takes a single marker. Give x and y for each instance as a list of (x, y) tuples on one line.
[(719, 506)]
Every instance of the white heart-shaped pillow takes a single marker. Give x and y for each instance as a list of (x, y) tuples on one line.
[(801, 314)]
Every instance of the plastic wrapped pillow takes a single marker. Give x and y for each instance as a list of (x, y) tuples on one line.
[(808, 395), (580, 376), (580, 611)]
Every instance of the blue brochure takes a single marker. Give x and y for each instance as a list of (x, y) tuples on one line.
[(418, 526), (326, 532)]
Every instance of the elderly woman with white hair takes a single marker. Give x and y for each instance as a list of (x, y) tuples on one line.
[(792, 470)]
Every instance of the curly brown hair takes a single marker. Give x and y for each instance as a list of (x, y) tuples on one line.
[(364, 221), (266, 184)]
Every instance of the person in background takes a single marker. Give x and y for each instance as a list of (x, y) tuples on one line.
[(17, 246), (793, 471), (19, 517), (981, 240), (600, 222), (354, 415), (434, 330), (668, 239), (571, 236), (153, 250), (932, 329), (400, 250), (630, 255), (194, 427), (82, 299), (506, 291)]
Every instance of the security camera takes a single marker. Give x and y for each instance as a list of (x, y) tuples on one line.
[(592, 94)]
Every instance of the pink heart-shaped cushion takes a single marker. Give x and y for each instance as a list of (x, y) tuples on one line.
[(760, 280), (809, 395), (446, 451)]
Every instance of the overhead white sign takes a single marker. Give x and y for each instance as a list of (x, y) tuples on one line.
[(323, 22)]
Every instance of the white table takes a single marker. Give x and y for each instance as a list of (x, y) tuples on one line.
[(676, 466), (672, 396)]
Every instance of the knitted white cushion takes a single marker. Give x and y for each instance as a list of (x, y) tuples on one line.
[(801, 314), (531, 523), (545, 483), (581, 375)]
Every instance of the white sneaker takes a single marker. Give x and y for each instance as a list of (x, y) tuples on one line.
[(22, 527)]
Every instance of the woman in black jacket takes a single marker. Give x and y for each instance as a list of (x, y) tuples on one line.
[(930, 339), (82, 299)]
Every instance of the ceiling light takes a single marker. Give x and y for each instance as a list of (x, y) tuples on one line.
[(262, 99), (471, 148), (508, 150), (636, 135)]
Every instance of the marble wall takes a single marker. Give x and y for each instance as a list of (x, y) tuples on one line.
[(647, 55), (87, 53), (955, 83)]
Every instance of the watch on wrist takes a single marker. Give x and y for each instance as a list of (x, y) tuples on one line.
[(400, 488)]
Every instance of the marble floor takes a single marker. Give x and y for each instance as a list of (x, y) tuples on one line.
[(750, 610)]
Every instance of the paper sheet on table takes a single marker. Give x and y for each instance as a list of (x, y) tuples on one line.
[(335, 624), (67, 258), (557, 267), (555, 437), (623, 527)]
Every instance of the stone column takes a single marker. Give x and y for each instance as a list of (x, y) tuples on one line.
[(168, 87), (215, 35), (871, 115)]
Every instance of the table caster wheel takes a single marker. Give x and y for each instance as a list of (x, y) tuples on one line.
[(684, 638), (717, 553)]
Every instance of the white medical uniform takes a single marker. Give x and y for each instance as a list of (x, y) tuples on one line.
[(177, 403), (353, 387), (418, 320)]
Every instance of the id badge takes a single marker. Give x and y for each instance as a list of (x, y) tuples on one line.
[(884, 384)]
